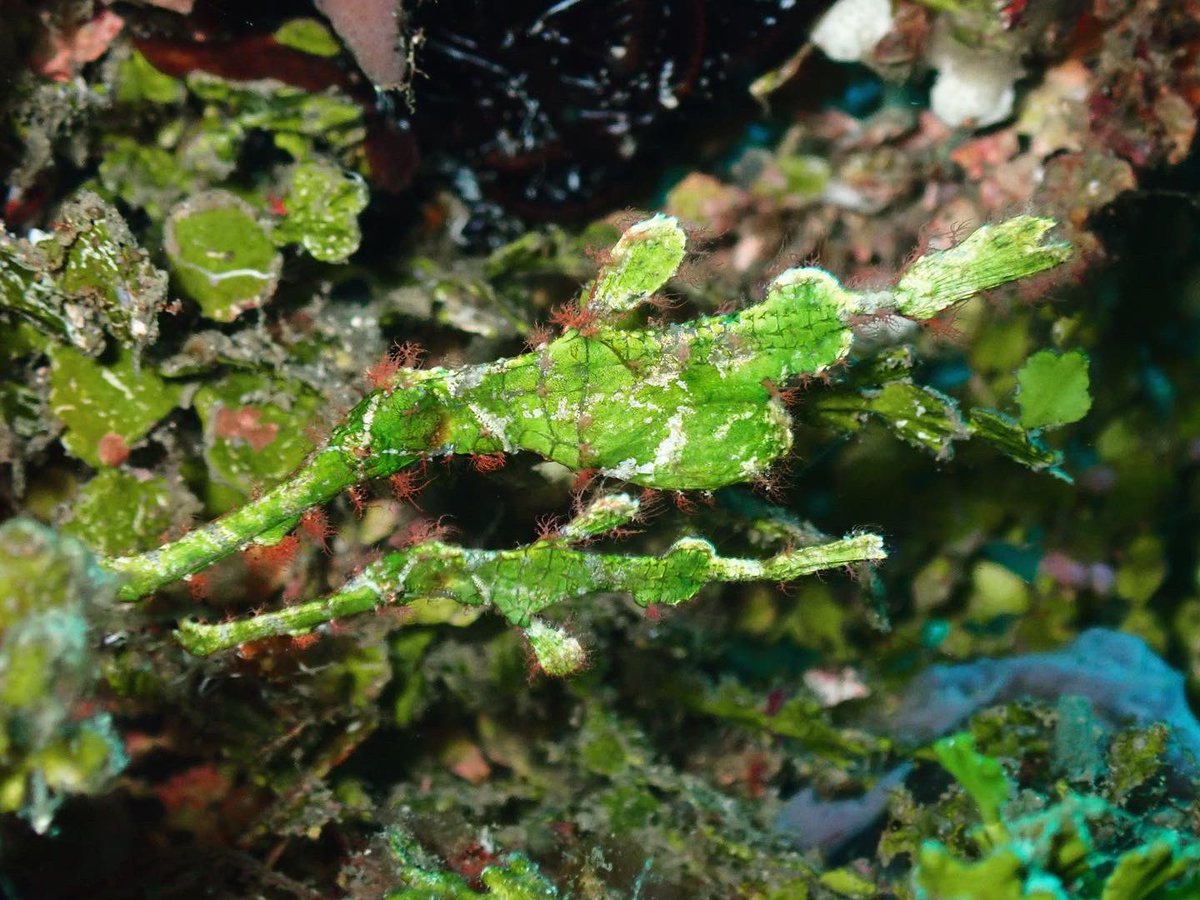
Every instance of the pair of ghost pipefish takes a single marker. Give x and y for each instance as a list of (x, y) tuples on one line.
[(686, 406)]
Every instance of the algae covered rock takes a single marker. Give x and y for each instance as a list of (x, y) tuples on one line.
[(83, 278), (50, 592)]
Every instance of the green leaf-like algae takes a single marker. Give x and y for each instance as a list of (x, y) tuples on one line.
[(845, 883), (255, 433), (980, 776), (220, 255), (120, 512), (1143, 569), (308, 36), (295, 117), (1053, 389), (99, 401), (1142, 871), (939, 876), (515, 877), (146, 177), (322, 211), (1136, 755), (140, 82)]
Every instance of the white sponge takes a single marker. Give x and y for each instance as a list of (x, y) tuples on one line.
[(972, 86), (850, 29)]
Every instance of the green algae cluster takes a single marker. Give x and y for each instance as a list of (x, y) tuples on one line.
[(83, 279), (1066, 848), (51, 746), (516, 877), (322, 207)]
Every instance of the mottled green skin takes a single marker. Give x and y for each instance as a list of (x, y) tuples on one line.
[(523, 582), (515, 877), (705, 415), (688, 406)]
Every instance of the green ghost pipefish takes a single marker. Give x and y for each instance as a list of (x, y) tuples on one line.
[(522, 582), (685, 406)]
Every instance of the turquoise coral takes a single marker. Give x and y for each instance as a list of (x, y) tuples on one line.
[(1051, 853)]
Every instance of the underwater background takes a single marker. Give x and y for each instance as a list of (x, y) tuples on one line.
[(896, 597)]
